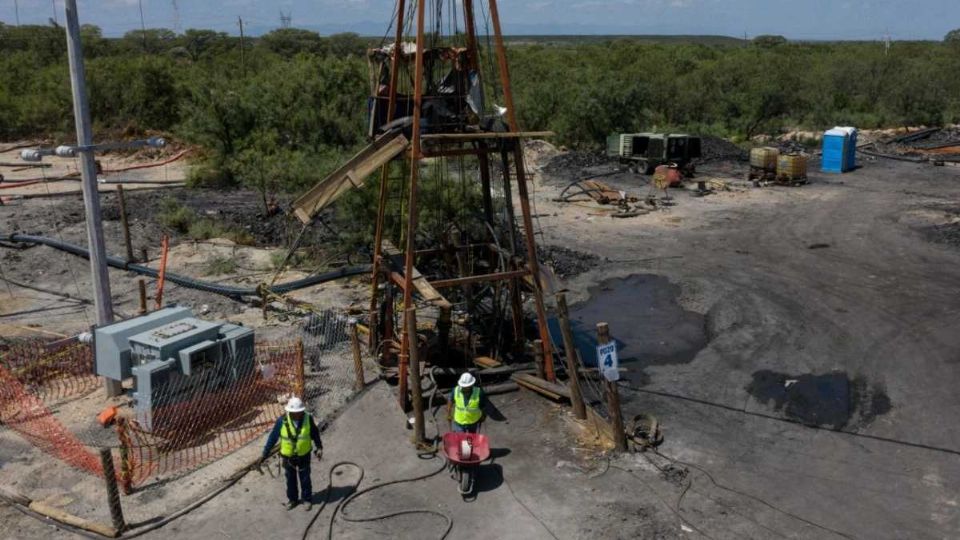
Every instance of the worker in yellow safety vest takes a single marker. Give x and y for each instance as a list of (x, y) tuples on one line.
[(298, 435), (465, 405)]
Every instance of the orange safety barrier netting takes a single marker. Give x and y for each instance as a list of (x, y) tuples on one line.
[(25, 413), (207, 420), (50, 370)]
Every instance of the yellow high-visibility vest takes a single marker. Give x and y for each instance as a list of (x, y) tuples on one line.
[(293, 443), (466, 413)]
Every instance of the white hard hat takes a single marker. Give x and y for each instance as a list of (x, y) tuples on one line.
[(466, 380), (295, 405)]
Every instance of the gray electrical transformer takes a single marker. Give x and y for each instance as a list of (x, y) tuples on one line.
[(171, 355)]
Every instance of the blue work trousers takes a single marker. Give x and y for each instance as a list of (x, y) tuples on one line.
[(471, 428), (298, 468)]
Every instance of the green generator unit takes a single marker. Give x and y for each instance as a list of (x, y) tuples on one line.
[(644, 152)]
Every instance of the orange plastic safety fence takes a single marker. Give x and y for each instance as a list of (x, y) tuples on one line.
[(50, 370), (211, 420), (26, 414)]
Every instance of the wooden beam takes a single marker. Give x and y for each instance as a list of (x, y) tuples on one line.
[(486, 135), (547, 388), (351, 175), (456, 282)]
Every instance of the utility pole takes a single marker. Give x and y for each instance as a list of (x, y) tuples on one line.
[(143, 27), (55, 21), (88, 172), (16, 11), (243, 66)]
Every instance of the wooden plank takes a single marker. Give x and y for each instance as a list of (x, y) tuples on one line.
[(486, 135), (487, 362), (57, 514), (351, 175), (420, 283), (540, 385)]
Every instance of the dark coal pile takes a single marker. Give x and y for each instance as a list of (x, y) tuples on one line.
[(566, 168), (566, 263), (717, 149), (237, 210), (791, 147)]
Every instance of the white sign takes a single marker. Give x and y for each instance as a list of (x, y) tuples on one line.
[(607, 361)]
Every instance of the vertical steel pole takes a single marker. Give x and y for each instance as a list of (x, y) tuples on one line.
[(522, 190), (384, 181), (411, 231), (88, 172)]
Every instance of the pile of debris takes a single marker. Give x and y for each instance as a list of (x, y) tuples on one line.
[(937, 145), (565, 262)]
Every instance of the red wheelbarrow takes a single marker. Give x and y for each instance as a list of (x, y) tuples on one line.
[(465, 451)]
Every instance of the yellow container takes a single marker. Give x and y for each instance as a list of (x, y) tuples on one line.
[(764, 158), (792, 167)]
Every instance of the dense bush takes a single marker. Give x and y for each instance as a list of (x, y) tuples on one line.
[(293, 105)]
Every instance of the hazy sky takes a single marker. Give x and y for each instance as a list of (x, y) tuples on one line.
[(800, 19)]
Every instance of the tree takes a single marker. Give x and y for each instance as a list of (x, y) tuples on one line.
[(953, 38), (291, 41), (346, 44), (768, 41)]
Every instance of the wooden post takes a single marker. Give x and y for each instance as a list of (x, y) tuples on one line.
[(613, 397), (538, 358), (300, 382), (418, 428), (164, 250), (142, 285), (359, 381), (124, 223), (113, 493), (576, 395), (126, 476)]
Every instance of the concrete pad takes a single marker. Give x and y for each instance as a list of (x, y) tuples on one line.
[(536, 486)]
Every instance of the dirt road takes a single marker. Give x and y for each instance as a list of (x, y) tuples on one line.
[(820, 390)]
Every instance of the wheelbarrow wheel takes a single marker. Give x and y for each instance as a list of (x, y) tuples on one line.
[(466, 480)]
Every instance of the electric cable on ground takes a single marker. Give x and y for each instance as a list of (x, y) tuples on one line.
[(340, 509)]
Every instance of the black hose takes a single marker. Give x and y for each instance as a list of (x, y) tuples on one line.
[(190, 283), (340, 509)]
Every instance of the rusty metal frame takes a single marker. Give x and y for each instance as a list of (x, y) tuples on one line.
[(409, 280)]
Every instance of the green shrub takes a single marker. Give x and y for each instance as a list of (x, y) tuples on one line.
[(220, 265), (175, 216)]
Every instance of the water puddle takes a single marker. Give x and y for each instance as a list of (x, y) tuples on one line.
[(831, 400), (645, 318)]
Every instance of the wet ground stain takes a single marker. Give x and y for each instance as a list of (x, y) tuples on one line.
[(832, 400), (645, 319)]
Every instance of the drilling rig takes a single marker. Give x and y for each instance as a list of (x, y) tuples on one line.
[(455, 234)]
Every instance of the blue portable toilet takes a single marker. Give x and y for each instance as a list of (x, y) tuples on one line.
[(839, 150)]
